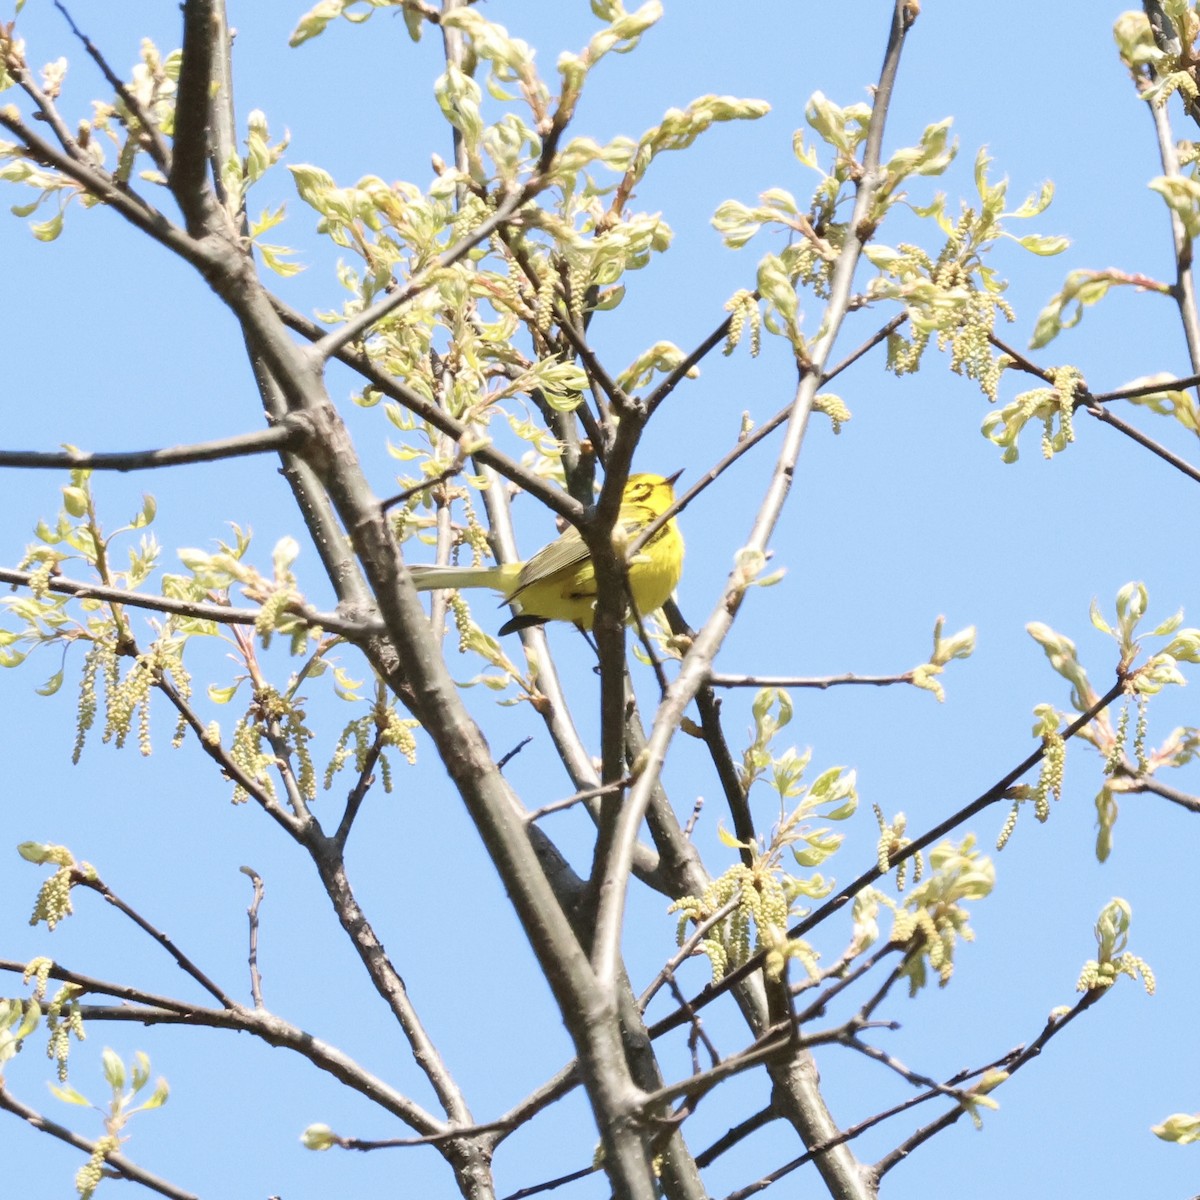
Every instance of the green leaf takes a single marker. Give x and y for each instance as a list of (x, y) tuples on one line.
[(51, 685), (113, 1068), (75, 501), (68, 1095), (1044, 244)]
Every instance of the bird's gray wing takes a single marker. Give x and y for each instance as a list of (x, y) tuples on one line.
[(561, 556)]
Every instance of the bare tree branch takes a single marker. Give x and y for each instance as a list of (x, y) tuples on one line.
[(288, 434), (220, 614)]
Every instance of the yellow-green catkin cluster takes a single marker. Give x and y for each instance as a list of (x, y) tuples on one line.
[(53, 903), (892, 840), (1050, 778), (743, 309), (1114, 761), (63, 1020), (382, 727), (758, 920), (100, 657), (968, 337), (87, 1178)]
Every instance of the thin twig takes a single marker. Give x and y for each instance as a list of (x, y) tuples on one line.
[(506, 758), (696, 1035), (1094, 407), (89, 984), (225, 761), (83, 879), (1146, 783), (252, 915), (554, 1089), (739, 1132), (551, 1184), (358, 793), (423, 486), (801, 681), (593, 793), (156, 145), (289, 434), (220, 614), (1145, 389), (750, 440), (1026, 1055), (117, 1163), (687, 949), (560, 502), (1156, 448)]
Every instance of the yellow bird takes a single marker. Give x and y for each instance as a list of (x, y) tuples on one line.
[(559, 583)]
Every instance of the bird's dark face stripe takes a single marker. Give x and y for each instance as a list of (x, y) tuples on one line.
[(659, 534)]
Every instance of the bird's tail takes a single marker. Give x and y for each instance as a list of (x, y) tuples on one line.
[(429, 579)]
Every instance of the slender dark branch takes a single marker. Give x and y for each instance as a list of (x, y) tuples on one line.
[(47, 112), (880, 335), (747, 443), (555, 1088), (1011, 1065), (794, 681), (998, 791), (96, 182), (358, 793), (910, 1076), (593, 793), (843, 977), (857, 1130), (687, 949), (456, 1133), (1145, 389), (1168, 456), (154, 142), (117, 1163), (423, 486), (588, 793), (680, 372), (1020, 360), (230, 769), (289, 434), (132, 996), (147, 1009), (1147, 783), (220, 614), (550, 1184), (252, 916), (1094, 407), (738, 1133), (83, 879), (509, 755), (730, 777), (616, 394)]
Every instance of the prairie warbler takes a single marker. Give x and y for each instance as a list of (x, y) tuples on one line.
[(559, 583)]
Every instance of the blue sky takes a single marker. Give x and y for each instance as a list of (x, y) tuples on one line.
[(909, 513)]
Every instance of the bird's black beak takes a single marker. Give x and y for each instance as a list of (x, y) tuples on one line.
[(671, 479)]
